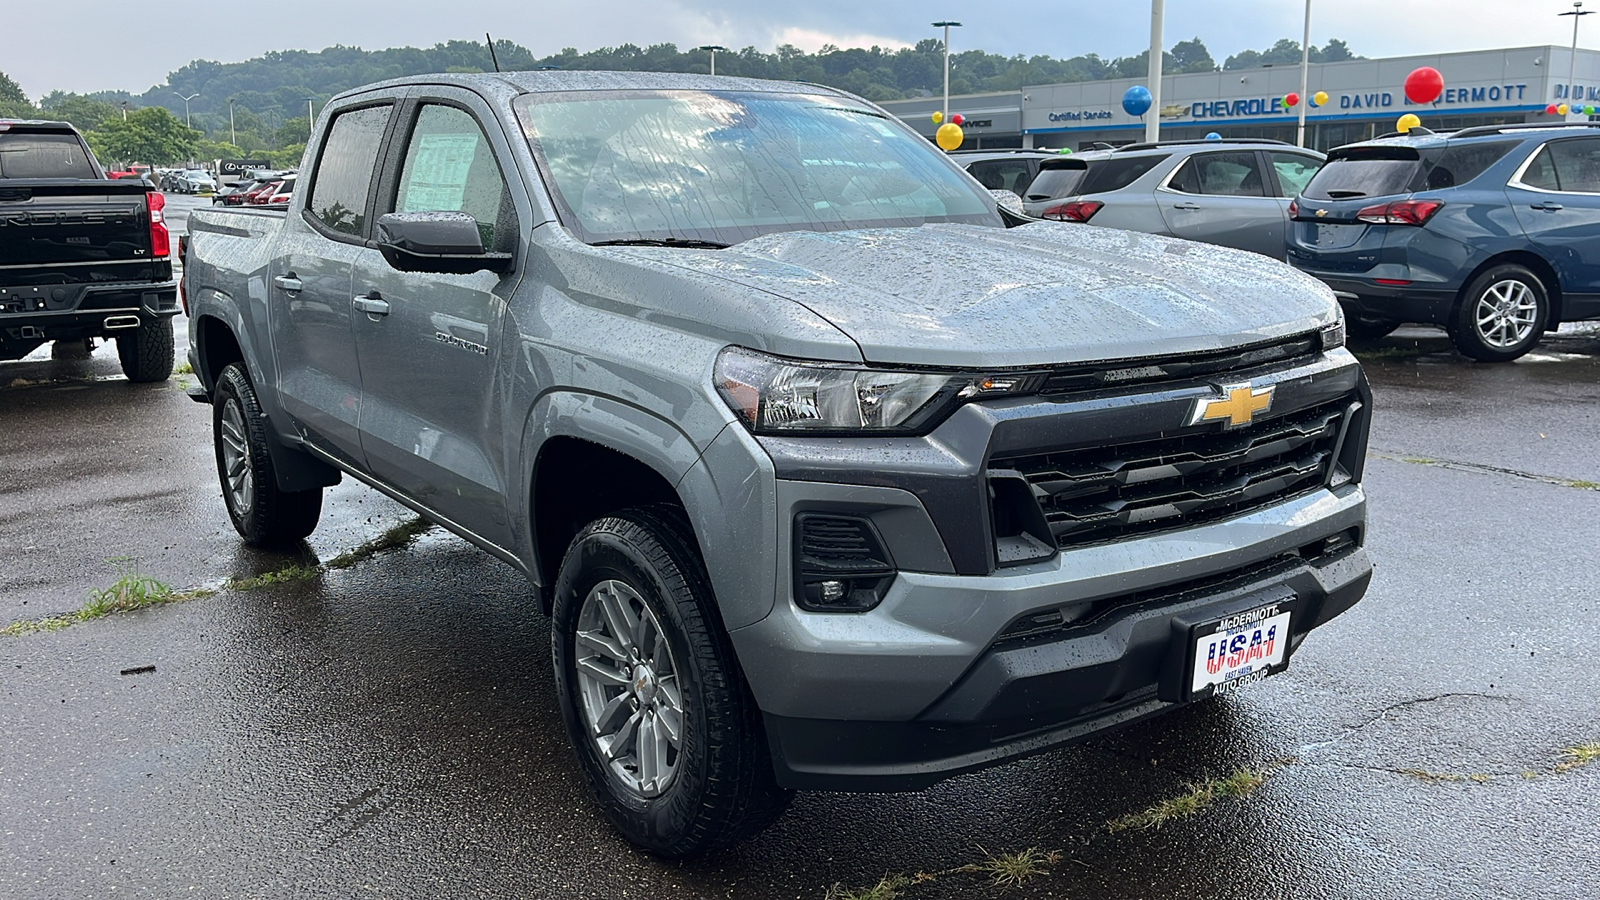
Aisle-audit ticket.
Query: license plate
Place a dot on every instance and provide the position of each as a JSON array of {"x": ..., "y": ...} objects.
[{"x": 1240, "y": 649}]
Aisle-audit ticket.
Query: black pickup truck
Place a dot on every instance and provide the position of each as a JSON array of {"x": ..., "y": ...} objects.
[{"x": 81, "y": 255}]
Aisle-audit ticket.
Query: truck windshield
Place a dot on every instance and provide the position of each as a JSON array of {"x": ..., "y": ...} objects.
[
  {"x": 26, "y": 154},
  {"x": 725, "y": 167}
]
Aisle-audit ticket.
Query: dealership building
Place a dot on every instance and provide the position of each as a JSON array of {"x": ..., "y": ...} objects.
[{"x": 1489, "y": 87}]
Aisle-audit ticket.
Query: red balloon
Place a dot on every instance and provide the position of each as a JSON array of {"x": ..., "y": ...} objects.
[
  {"x": 1424, "y": 85},
  {"x": 1550, "y": 110},
  {"x": 1291, "y": 99},
  {"x": 958, "y": 118}
]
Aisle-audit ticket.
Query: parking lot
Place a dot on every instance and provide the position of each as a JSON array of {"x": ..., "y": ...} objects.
[{"x": 388, "y": 726}]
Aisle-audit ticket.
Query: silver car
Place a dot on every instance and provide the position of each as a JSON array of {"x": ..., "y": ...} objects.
[{"x": 1234, "y": 193}]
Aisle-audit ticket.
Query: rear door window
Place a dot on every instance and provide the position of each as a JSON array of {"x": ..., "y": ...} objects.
[
  {"x": 1294, "y": 171},
  {"x": 1117, "y": 173},
  {"x": 1229, "y": 174},
  {"x": 1379, "y": 172},
  {"x": 1568, "y": 166},
  {"x": 343, "y": 177},
  {"x": 38, "y": 155}
]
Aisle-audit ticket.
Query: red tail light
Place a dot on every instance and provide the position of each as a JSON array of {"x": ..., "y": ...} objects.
[
  {"x": 160, "y": 240},
  {"x": 1400, "y": 212},
  {"x": 1294, "y": 208},
  {"x": 1074, "y": 211},
  {"x": 183, "y": 296}
]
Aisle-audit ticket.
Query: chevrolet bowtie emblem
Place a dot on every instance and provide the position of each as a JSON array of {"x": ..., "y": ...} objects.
[
  {"x": 1321, "y": 213},
  {"x": 1238, "y": 407}
]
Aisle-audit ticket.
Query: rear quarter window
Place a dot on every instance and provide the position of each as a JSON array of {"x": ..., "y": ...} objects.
[
  {"x": 1057, "y": 181},
  {"x": 1115, "y": 174},
  {"x": 1461, "y": 163}
]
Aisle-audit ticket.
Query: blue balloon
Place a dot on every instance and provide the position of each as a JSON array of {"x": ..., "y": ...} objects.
[
  {"x": 1136, "y": 100},
  {"x": 1213, "y": 136}
]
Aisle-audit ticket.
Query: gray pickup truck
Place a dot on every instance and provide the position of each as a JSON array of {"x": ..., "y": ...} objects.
[{"x": 831, "y": 473}]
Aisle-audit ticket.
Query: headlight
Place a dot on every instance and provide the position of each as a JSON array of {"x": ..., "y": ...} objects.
[
  {"x": 1333, "y": 335},
  {"x": 773, "y": 395}
]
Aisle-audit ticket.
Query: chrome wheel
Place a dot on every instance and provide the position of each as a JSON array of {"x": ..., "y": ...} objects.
[
  {"x": 628, "y": 682},
  {"x": 1506, "y": 313},
  {"x": 236, "y": 465}
]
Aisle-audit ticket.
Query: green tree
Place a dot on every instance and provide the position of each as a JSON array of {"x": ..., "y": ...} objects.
[
  {"x": 1191, "y": 56},
  {"x": 14, "y": 103},
  {"x": 295, "y": 131},
  {"x": 86, "y": 113},
  {"x": 152, "y": 135}
]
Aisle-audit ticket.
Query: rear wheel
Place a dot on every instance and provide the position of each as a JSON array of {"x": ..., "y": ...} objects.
[
  {"x": 665, "y": 732},
  {"x": 146, "y": 352},
  {"x": 262, "y": 514},
  {"x": 1502, "y": 315}
]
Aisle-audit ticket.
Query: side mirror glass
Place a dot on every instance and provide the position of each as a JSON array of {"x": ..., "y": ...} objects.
[{"x": 443, "y": 242}]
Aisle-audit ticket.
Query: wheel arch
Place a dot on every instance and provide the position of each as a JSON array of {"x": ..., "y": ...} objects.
[{"x": 1529, "y": 260}]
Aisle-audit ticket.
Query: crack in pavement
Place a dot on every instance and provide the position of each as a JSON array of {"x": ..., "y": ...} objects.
[
  {"x": 1484, "y": 469},
  {"x": 1395, "y": 707}
]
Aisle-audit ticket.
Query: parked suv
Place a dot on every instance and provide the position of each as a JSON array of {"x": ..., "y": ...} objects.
[
  {"x": 1003, "y": 170},
  {"x": 1060, "y": 177},
  {"x": 1492, "y": 232},
  {"x": 1234, "y": 193}
]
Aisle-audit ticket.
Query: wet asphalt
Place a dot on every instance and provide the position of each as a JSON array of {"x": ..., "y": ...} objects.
[{"x": 390, "y": 729}]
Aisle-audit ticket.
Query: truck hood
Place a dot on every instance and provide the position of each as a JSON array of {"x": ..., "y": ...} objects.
[{"x": 970, "y": 296}]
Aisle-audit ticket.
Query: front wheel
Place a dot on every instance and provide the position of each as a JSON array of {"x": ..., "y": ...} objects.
[
  {"x": 264, "y": 515},
  {"x": 665, "y": 732},
  {"x": 1502, "y": 315}
]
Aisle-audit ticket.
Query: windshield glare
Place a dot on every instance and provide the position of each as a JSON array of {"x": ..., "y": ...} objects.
[{"x": 730, "y": 166}]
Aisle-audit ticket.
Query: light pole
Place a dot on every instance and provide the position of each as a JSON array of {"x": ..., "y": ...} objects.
[
  {"x": 1152, "y": 125},
  {"x": 1305, "y": 73},
  {"x": 713, "y": 48},
  {"x": 124, "y": 110},
  {"x": 186, "y": 105},
  {"x": 1577, "y": 12},
  {"x": 233, "y": 133},
  {"x": 311, "y": 117},
  {"x": 946, "y": 26}
]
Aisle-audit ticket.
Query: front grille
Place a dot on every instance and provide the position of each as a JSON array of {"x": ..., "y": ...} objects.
[{"x": 1115, "y": 491}]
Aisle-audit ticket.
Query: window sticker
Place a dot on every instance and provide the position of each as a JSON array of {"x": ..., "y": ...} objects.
[{"x": 439, "y": 167}]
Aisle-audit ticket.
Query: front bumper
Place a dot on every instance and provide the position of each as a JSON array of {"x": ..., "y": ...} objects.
[{"x": 949, "y": 672}]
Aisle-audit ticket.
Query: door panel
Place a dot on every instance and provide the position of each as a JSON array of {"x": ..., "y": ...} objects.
[
  {"x": 1557, "y": 202},
  {"x": 1219, "y": 198},
  {"x": 428, "y": 343}
]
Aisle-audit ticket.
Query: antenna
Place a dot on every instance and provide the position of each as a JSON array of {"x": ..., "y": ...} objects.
[{"x": 492, "y": 58}]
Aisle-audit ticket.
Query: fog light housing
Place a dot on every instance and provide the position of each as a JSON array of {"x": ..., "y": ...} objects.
[{"x": 840, "y": 563}]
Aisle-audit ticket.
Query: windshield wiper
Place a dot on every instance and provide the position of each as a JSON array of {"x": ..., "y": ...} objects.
[{"x": 692, "y": 243}]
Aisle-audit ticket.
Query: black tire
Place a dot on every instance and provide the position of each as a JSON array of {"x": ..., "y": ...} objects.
[
  {"x": 722, "y": 787},
  {"x": 146, "y": 352},
  {"x": 1367, "y": 328},
  {"x": 262, "y": 514},
  {"x": 1502, "y": 315}
]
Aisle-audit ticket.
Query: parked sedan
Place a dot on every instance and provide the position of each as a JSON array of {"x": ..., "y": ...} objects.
[
  {"x": 1234, "y": 193},
  {"x": 193, "y": 181}
]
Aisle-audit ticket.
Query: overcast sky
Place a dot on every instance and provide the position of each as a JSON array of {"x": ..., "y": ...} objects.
[{"x": 82, "y": 46}]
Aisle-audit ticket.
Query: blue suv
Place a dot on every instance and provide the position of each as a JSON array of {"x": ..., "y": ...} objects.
[{"x": 1492, "y": 232}]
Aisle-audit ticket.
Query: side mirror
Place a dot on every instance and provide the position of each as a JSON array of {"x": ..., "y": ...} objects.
[
  {"x": 1007, "y": 200},
  {"x": 443, "y": 242}
]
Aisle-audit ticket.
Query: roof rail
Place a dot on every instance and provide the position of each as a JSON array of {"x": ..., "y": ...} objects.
[
  {"x": 1480, "y": 130},
  {"x": 1189, "y": 143},
  {"x": 1003, "y": 150}
]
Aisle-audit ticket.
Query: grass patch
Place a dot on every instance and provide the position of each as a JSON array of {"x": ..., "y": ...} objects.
[
  {"x": 183, "y": 368},
  {"x": 888, "y": 888},
  {"x": 278, "y": 576},
  {"x": 1010, "y": 870},
  {"x": 1366, "y": 353},
  {"x": 1431, "y": 777},
  {"x": 1585, "y": 485},
  {"x": 399, "y": 536},
  {"x": 1198, "y": 797},
  {"x": 1577, "y": 757},
  {"x": 132, "y": 590}
]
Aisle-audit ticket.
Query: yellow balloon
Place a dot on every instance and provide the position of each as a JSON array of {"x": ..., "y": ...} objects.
[
  {"x": 938, "y": 117},
  {"x": 1407, "y": 122},
  {"x": 948, "y": 136},
  {"x": 1321, "y": 97},
  {"x": 1562, "y": 109}
]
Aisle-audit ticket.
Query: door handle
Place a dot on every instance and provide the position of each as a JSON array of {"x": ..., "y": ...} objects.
[
  {"x": 1547, "y": 207},
  {"x": 1185, "y": 206},
  {"x": 288, "y": 283},
  {"x": 372, "y": 304}
]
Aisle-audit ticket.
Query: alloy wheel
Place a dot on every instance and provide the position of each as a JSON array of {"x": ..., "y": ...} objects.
[
  {"x": 236, "y": 457},
  {"x": 1506, "y": 313},
  {"x": 628, "y": 681}
]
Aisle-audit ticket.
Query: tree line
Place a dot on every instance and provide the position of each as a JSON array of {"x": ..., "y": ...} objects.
[{"x": 258, "y": 107}]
